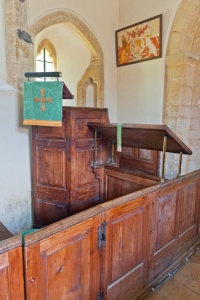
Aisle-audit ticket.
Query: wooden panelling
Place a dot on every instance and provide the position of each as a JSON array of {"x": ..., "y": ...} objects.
[
  {"x": 174, "y": 225},
  {"x": 51, "y": 167},
  {"x": 62, "y": 162},
  {"x": 166, "y": 220},
  {"x": 47, "y": 213},
  {"x": 84, "y": 158},
  {"x": 82, "y": 132},
  {"x": 11, "y": 270},
  {"x": 189, "y": 205},
  {"x": 124, "y": 255},
  {"x": 86, "y": 193},
  {"x": 139, "y": 159},
  {"x": 116, "y": 187},
  {"x": 50, "y": 205},
  {"x": 120, "y": 248},
  {"x": 65, "y": 265},
  {"x": 118, "y": 182},
  {"x": 50, "y": 132}
]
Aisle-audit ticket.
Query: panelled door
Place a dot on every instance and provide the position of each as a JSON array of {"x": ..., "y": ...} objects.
[
  {"x": 125, "y": 250},
  {"x": 65, "y": 265}
]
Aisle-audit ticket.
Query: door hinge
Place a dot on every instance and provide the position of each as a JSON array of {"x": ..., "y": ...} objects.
[
  {"x": 100, "y": 296},
  {"x": 102, "y": 235}
]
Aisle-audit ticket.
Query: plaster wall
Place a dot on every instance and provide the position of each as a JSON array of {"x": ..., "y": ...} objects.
[
  {"x": 140, "y": 86},
  {"x": 15, "y": 180}
]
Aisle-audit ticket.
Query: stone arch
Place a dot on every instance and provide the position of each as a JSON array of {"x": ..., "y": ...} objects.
[
  {"x": 181, "y": 109},
  {"x": 96, "y": 67},
  {"x": 91, "y": 82}
]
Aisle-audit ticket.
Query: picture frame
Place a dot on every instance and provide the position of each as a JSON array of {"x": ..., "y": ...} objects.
[{"x": 139, "y": 42}]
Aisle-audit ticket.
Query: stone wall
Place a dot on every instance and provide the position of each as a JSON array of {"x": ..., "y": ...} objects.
[
  {"x": 181, "y": 110},
  {"x": 19, "y": 53}
]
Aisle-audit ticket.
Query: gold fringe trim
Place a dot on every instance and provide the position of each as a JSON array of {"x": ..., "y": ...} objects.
[{"x": 43, "y": 123}]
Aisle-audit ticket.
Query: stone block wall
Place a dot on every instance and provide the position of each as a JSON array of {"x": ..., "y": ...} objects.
[{"x": 181, "y": 109}]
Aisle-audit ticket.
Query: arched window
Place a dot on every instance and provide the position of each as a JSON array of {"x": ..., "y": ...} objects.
[{"x": 46, "y": 60}]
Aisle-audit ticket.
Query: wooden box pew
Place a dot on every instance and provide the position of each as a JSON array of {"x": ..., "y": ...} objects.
[
  {"x": 118, "y": 249},
  {"x": 117, "y": 229}
]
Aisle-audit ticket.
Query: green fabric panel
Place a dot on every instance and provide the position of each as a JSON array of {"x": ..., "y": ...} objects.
[
  {"x": 119, "y": 137},
  {"x": 51, "y": 109}
]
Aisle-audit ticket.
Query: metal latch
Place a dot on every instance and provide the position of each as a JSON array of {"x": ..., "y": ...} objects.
[
  {"x": 102, "y": 235},
  {"x": 100, "y": 296}
]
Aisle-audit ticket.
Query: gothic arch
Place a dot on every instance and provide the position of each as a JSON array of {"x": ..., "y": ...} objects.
[
  {"x": 50, "y": 48},
  {"x": 96, "y": 67},
  {"x": 181, "y": 109}
]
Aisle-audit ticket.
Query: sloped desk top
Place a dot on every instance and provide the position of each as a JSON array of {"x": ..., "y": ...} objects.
[{"x": 143, "y": 136}]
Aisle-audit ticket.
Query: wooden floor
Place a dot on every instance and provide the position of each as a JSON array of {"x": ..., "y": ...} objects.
[{"x": 184, "y": 284}]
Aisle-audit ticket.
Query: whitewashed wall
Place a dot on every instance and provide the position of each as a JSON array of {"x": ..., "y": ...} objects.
[
  {"x": 140, "y": 87},
  {"x": 15, "y": 185},
  {"x": 15, "y": 179}
]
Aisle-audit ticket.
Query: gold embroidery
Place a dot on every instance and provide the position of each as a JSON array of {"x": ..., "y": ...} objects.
[{"x": 42, "y": 100}]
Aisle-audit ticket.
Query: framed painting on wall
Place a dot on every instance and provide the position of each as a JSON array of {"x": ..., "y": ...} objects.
[{"x": 139, "y": 42}]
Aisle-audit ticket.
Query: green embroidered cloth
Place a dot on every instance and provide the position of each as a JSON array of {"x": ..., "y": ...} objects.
[
  {"x": 119, "y": 137},
  {"x": 43, "y": 103}
]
